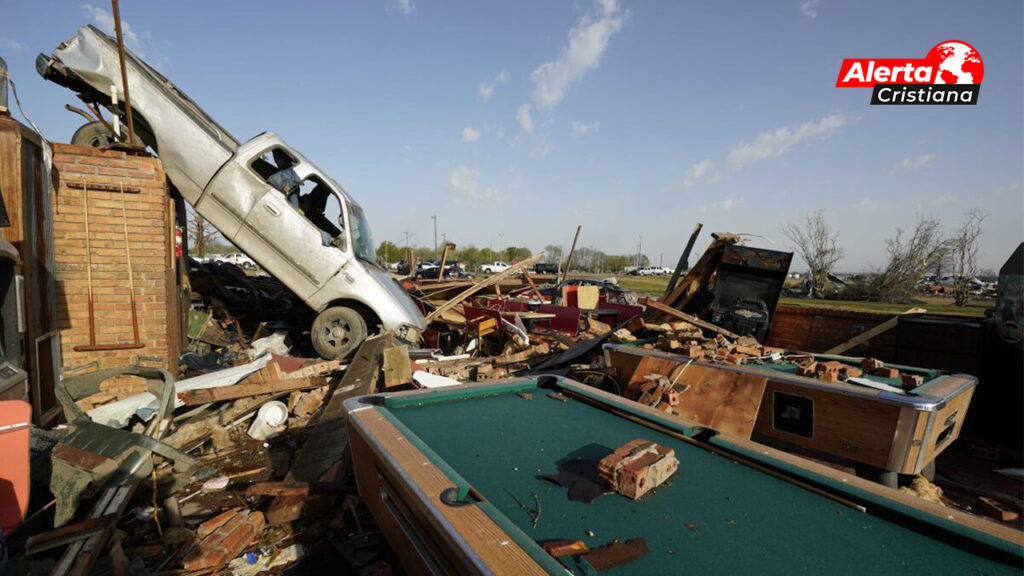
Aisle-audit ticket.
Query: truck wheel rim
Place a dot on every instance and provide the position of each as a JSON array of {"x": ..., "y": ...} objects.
[{"x": 336, "y": 334}]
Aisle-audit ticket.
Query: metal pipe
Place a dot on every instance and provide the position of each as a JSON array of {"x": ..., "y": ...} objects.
[{"x": 124, "y": 73}]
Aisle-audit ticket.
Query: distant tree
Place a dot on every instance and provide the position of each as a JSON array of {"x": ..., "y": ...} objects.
[
  {"x": 553, "y": 253},
  {"x": 470, "y": 256},
  {"x": 487, "y": 255},
  {"x": 424, "y": 254},
  {"x": 963, "y": 255},
  {"x": 389, "y": 252},
  {"x": 218, "y": 245},
  {"x": 200, "y": 234},
  {"x": 815, "y": 242},
  {"x": 911, "y": 253}
]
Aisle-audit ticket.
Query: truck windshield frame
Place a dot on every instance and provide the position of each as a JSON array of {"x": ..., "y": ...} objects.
[{"x": 362, "y": 237}]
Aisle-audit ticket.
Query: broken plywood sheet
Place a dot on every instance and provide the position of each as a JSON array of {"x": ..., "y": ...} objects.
[
  {"x": 721, "y": 399},
  {"x": 397, "y": 367}
]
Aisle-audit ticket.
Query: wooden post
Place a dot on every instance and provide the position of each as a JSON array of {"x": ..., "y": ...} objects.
[
  {"x": 864, "y": 337},
  {"x": 684, "y": 261},
  {"x": 568, "y": 261}
]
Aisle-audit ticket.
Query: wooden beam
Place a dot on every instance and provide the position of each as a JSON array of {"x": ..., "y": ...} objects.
[
  {"x": 668, "y": 310},
  {"x": 684, "y": 261},
  {"x": 865, "y": 337},
  {"x": 297, "y": 488},
  {"x": 533, "y": 287},
  {"x": 208, "y": 395},
  {"x": 568, "y": 261},
  {"x": 67, "y": 534},
  {"x": 490, "y": 281}
]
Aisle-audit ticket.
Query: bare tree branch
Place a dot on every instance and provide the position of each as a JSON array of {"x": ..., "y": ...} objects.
[
  {"x": 964, "y": 255},
  {"x": 815, "y": 242}
]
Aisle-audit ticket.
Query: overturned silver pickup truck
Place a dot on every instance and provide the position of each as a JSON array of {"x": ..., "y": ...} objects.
[{"x": 265, "y": 197}]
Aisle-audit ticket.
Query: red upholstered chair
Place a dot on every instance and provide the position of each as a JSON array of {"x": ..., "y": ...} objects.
[
  {"x": 566, "y": 320},
  {"x": 626, "y": 311}
]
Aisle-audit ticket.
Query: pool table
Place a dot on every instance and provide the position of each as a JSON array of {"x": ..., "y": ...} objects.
[
  {"x": 452, "y": 477},
  {"x": 885, "y": 431}
]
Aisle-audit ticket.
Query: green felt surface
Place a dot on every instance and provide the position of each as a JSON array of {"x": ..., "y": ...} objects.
[{"x": 714, "y": 516}]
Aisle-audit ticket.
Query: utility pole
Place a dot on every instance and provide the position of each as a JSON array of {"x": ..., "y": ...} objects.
[
  {"x": 435, "y": 236},
  {"x": 406, "y": 239},
  {"x": 639, "y": 251}
]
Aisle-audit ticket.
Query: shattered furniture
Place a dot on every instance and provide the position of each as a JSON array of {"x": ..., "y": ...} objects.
[
  {"x": 111, "y": 205},
  {"x": 867, "y": 419},
  {"x": 262, "y": 195},
  {"x": 453, "y": 478},
  {"x": 28, "y": 196}
]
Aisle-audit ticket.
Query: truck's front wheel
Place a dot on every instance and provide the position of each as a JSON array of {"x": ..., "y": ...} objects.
[{"x": 337, "y": 332}]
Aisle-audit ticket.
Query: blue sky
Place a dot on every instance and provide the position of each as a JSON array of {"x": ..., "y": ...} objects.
[{"x": 513, "y": 122}]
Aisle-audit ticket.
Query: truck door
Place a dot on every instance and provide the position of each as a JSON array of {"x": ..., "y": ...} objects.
[{"x": 296, "y": 227}]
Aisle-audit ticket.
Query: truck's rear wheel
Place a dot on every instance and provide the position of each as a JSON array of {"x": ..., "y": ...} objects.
[
  {"x": 337, "y": 332},
  {"x": 96, "y": 135}
]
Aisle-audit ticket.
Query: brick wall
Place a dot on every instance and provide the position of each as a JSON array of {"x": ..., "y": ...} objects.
[
  {"x": 818, "y": 329},
  {"x": 149, "y": 239}
]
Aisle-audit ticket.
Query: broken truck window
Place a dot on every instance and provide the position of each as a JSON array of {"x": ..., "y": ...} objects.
[
  {"x": 320, "y": 206},
  {"x": 276, "y": 167}
]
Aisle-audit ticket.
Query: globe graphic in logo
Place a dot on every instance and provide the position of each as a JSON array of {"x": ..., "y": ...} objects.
[{"x": 958, "y": 63}]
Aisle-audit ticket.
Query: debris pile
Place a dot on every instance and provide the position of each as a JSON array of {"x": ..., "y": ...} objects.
[{"x": 206, "y": 475}]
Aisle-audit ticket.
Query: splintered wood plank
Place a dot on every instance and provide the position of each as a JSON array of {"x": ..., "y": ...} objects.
[
  {"x": 207, "y": 395},
  {"x": 495, "y": 547},
  {"x": 648, "y": 365},
  {"x": 721, "y": 399}
]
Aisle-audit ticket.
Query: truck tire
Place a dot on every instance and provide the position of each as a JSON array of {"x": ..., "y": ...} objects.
[
  {"x": 96, "y": 135},
  {"x": 337, "y": 332}
]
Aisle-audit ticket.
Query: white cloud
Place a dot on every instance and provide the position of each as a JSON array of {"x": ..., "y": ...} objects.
[
  {"x": 470, "y": 135},
  {"x": 11, "y": 44},
  {"x": 809, "y": 8},
  {"x": 464, "y": 185},
  {"x": 105, "y": 21},
  {"x": 781, "y": 140},
  {"x": 487, "y": 88},
  {"x": 403, "y": 7},
  {"x": 699, "y": 171},
  {"x": 733, "y": 201},
  {"x": 499, "y": 132},
  {"x": 916, "y": 162},
  {"x": 524, "y": 118},
  {"x": 587, "y": 42},
  {"x": 582, "y": 129}
]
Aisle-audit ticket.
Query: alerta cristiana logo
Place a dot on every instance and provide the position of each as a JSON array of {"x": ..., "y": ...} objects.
[{"x": 951, "y": 73}]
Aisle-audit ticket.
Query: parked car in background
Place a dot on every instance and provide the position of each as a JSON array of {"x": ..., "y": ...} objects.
[
  {"x": 451, "y": 270},
  {"x": 264, "y": 196},
  {"x": 643, "y": 271},
  {"x": 545, "y": 268},
  {"x": 236, "y": 258},
  {"x": 494, "y": 267}
]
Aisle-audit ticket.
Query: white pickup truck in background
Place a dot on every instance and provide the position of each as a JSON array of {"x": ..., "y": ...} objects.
[{"x": 494, "y": 267}]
